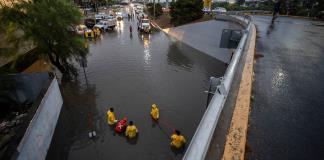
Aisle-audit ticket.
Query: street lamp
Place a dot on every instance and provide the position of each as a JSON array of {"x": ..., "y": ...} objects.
[{"x": 154, "y": 9}]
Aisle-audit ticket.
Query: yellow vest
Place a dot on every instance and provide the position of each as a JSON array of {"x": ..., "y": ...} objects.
[
  {"x": 155, "y": 113},
  {"x": 111, "y": 118},
  {"x": 177, "y": 140},
  {"x": 131, "y": 131}
]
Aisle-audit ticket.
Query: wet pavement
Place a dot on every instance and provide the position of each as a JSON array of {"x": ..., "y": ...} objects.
[
  {"x": 130, "y": 72},
  {"x": 287, "y": 114}
]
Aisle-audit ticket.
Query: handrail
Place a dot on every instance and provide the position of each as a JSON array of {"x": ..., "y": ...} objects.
[{"x": 199, "y": 144}]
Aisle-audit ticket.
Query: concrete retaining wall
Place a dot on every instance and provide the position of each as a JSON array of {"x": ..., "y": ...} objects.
[
  {"x": 38, "y": 136},
  {"x": 200, "y": 142},
  {"x": 243, "y": 21}
]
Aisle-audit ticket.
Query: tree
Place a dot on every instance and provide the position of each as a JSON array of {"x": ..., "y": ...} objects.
[
  {"x": 184, "y": 11},
  {"x": 240, "y": 2},
  {"x": 158, "y": 9},
  {"x": 48, "y": 24}
]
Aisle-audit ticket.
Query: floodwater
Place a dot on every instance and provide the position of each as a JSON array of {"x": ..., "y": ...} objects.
[{"x": 130, "y": 72}]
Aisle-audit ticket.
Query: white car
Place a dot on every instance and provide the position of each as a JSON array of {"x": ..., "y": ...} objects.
[
  {"x": 119, "y": 16},
  {"x": 100, "y": 16},
  {"x": 112, "y": 22},
  {"x": 206, "y": 10},
  {"x": 80, "y": 29},
  {"x": 139, "y": 8},
  {"x": 103, "y": 25},
  {"x": 219, "y": 10}
]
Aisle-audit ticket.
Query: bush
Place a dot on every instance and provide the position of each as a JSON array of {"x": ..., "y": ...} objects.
[
  {"x": 158, "y": 9},
  {"x": 184, "y": 11},
  {"x": 267, "y": 6}
]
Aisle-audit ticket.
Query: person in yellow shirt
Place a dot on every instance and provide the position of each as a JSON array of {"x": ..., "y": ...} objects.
[
  {"x": 155, "y": 112},
  {"x": 111, "y": 116},
  {"x": 177, "y": 140},
  {"x": 131, "y": 130}
]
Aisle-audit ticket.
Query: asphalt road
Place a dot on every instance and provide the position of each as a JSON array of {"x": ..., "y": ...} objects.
[
  {"x": 287, "y": 114},
  {"x": 130, "y": 72}
]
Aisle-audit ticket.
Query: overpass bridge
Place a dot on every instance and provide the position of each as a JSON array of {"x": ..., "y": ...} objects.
[{"x": 286, "y": 116}]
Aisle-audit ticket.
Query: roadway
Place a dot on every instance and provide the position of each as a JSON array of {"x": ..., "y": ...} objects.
[
  {"x": 287, "y": 112},
  {"x": 130, "y": 72}
]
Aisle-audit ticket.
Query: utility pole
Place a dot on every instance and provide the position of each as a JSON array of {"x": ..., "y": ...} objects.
[{"x": 154, "y": 9}]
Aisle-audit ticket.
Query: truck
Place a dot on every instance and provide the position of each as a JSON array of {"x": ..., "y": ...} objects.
[
  {"x": 108, "y": 22},
  {"x": 144, "y": 25},
  {"x": 111, "y": 20}
]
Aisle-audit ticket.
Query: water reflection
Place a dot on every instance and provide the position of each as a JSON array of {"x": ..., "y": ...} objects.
[
  {"x": 176, "y": 57},
  {"x": 279, "y": 79},
  {"x": 120, "y": 26},
  {"x": 133, "y": 141},
  {"x": 78, "y": 117},
  {"x": 146, "y": 43},
  {"x": 270, "y": 28}
]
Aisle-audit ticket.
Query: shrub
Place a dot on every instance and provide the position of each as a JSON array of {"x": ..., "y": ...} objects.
[
  {"x": 184, "y": 11},
  {"x": 158, "y": 9}
]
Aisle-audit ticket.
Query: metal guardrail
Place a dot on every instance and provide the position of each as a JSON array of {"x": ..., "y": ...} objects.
[
  {"x": 200, "y": 142},
  {"x": 248, "y": 11}
]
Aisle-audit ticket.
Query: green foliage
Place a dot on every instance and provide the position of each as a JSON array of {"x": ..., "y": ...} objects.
[
  {"x": 291, "y": 7},
  {"x": 158, "y": 9},
  {"x": 267, "y": 6},
  {"x": 110, "y": 2},
  {"x": 228, "y": 6},
  {"x": 304, "y": 8},
  {"x": 184, "y": 11},
  {"x": 318, "y": 8},
  {"x": 48, "y": 24},
  {"x": 240, "y": 2}
]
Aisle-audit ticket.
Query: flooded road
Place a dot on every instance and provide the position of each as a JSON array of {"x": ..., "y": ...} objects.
[{"x": 130, "y": 72}]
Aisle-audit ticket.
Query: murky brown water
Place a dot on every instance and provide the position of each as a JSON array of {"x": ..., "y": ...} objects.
[{"x": 129, "y": 73}]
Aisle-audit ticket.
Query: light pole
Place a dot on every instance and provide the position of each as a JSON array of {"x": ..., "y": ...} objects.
[{"x": 154, "y": 9}]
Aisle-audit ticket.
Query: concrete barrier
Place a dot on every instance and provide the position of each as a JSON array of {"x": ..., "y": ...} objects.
[
  {"x": 241, "y": 20},
  {"x": 38, "y": 136},
  {"x": 249, "y": 12},
  {"x": 236, "y": 137},
  {"x": 199, "y": 144}
]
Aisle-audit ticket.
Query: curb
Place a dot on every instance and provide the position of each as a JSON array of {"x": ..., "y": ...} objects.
[
  {"x": 236, "y": 137},
  {"x": 318, "y": 24},
  {"x": 156, "y": 25},
  {"x": 166, "y": 30}
]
